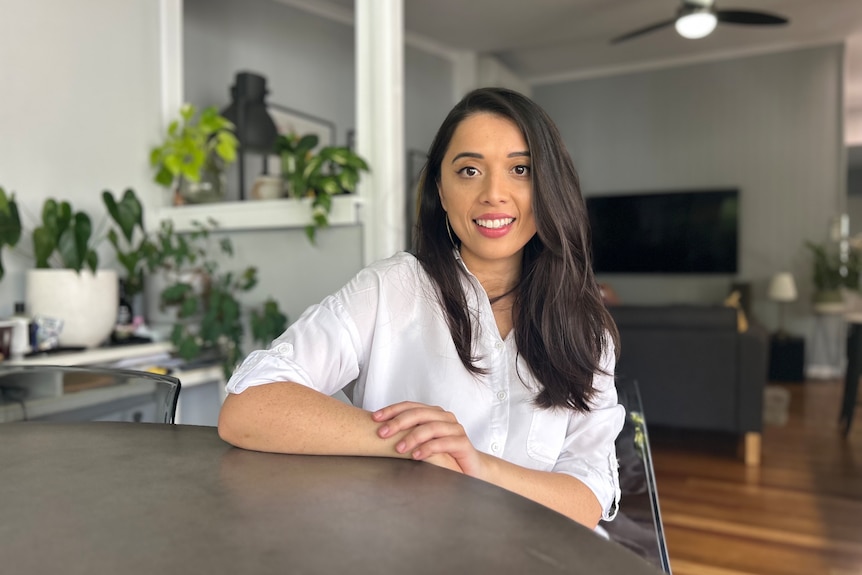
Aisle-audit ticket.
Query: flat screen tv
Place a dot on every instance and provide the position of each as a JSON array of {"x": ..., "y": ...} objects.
[{"x": 673, "y": 232}]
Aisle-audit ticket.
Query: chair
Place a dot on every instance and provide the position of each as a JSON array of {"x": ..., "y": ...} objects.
[
  {"x": 852, "y": 373},
  {"x": 638, "y": 524},
  {"x": 55, "y": 393}
]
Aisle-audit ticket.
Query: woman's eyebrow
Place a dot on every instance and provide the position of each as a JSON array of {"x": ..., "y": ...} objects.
[
  {"x": 467, "y": 155},
  {"x": 480, "y": 156}
]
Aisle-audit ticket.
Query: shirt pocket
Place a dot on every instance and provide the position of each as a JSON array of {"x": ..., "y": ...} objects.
[{"x": 547, "y": 435}]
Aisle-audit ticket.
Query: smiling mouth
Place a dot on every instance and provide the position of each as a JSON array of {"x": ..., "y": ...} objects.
[{"x": 494, "y": 224}]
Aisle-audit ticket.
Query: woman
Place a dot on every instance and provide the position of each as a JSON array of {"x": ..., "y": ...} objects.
[{"x": 489, "y": 352}]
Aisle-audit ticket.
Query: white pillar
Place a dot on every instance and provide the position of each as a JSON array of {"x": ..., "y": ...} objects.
[
  {"x": 171, "y": 56},
  {"x": 380, "y": 124}
]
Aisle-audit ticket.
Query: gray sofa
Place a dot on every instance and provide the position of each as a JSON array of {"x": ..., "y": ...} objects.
[{"x": 694, "y": 369}]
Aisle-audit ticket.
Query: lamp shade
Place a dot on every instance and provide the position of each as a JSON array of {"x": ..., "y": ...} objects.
[
  {"x": 255, "y": 128},
  {"x": 782, "y": 288}
]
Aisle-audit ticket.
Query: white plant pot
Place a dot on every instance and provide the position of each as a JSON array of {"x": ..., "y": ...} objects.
[{"x": 86, "y": 303}]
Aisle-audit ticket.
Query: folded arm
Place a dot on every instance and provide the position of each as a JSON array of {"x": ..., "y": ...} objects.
[
  {"x": 291, "y": 418},
  {"x": 433, "y": 432}
]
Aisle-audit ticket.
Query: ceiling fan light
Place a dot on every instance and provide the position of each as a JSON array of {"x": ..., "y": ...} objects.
[{"x": 696, "y": 25}]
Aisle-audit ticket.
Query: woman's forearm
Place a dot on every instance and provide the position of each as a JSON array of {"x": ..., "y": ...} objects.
[
  {"x": 291, "y": 418},
  {"x": 562, "y": 493}
]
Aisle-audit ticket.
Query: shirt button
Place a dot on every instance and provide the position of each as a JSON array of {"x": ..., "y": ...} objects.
[
  {"x": 499, "y": 345},
  {"x": 495, "y": 447},
  {"x": 501, "y": 395}
]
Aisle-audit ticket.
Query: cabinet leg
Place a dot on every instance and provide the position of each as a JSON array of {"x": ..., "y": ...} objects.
[{"x": 751, "y": 448}]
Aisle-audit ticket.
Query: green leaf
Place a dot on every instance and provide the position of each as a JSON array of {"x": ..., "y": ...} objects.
[
  {"x": 92, "y": 261},
  {"x": 83, "y": 229},
  {"x": 68, "y": 248},
  {"x": 176, "y": 293},
  {"x": 306, "y": 144},
  {"x": 188, "y": 308},
  {"x": 10, "y": 221},
  {"x": 348, "y": 179},
  {"x": 164, "y": 177},
  {"x": 127, "y": 214},
  {"x": 43, "y": 246},
  {"x": 187, "y": 347},
  {"x": 329, "y": 185}
]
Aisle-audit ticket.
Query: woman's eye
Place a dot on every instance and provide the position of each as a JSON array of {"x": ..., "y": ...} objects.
[
  {"x": 522, "y": 170},
  {"x": 468, "y": 171}
]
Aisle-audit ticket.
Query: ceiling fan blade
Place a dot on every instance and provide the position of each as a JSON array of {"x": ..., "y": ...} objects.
[
  {"x": 641, "y": 31},
  {"x": 748, "y": 17}
]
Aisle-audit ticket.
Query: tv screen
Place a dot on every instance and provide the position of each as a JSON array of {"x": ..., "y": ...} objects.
[{"x": 673, "y": 232}]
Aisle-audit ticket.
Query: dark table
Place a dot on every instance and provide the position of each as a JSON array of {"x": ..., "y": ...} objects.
[{"x": 107, "y": 498}]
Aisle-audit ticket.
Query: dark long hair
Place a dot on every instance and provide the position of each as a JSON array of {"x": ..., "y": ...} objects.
[{"x": 561, "y": 325}]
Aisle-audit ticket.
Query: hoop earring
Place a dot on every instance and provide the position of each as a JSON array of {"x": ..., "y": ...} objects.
[{"x": 449, "y": 231}]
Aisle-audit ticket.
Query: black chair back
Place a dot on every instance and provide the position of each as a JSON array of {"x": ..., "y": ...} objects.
[
  {"x": 60, "y": 393},
  {"x": 638, "y": 525}
]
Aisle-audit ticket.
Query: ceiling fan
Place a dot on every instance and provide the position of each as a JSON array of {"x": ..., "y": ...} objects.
[{"x": 698, "y": 18}]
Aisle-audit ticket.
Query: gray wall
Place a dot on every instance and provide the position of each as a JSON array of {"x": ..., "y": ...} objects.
[
  {"x": 80, "y": 109},
  {"x": 769, "y": 125}
]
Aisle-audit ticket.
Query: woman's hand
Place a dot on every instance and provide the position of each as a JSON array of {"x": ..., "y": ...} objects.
[{"x": 433, "y": 434}]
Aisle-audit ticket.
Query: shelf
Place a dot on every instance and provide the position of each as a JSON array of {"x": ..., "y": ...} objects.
[
  {"x": 96, "y": 355},
  {"x": 259, "y": 214}
]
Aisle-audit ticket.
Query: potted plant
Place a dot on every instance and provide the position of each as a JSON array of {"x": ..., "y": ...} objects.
[
  {"x": 66, "y": 283},
  {"x": 204, "y": 299},
  {"x": 333, "y": 170},
  {"x": 209, "y": 316},
  {"x": 133, "y": 247},
  {"x": 831, "y": 275},
  {"x": 10, "y": 224},
  {"x": 194, "y": 154}
]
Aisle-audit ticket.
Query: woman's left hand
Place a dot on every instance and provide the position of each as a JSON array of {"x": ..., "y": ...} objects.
[{"x": 432, "y": 431}]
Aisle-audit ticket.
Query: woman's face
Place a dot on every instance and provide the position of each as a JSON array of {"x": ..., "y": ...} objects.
[{"x": 486, "y": 189}]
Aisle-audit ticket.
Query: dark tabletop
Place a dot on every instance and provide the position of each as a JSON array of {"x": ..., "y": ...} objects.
[{"x": 110, "y": 498}]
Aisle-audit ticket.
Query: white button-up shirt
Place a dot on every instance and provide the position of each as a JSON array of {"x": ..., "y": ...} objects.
[{"x": 386, "y": 331}]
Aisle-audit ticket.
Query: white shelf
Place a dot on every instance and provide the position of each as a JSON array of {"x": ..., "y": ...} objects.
[
  {"x": 259, "y": 214},
  {"x": 96, "y": 355}
]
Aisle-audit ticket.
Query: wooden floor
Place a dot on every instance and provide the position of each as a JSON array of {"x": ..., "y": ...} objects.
[{"x": 800, "y": 512}]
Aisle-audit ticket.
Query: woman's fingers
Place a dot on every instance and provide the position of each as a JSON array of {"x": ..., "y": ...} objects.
[
  {"x": 433, "y": 435},
  {"x": 402, "y": 416},
  {"x": 391, "y": 411},
  {"x": 428, "y": 431}
]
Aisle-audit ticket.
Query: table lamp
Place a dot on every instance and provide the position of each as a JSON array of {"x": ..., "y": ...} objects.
[
  {"x": 782, "y": 289},
  {"x": 255, "y": 128}
]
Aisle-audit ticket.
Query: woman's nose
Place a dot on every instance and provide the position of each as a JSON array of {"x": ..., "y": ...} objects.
[{"x": 494, "y": 190}]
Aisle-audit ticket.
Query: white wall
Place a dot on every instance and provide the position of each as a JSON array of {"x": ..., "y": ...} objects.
[
  {"x": 80, "y": 109},
  {"x": 770, "y": 125}
]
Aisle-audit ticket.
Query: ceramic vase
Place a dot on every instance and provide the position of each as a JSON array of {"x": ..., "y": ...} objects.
[{"x": 86, "y": 302}]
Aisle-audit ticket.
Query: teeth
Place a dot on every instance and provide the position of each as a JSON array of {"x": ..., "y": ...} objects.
[{"x": 494, "y": 224}]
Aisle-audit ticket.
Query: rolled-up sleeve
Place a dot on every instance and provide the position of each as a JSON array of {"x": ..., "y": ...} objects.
[
  {"x": 589, "y": 452},
  {"x": 320, "y": 351}
]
